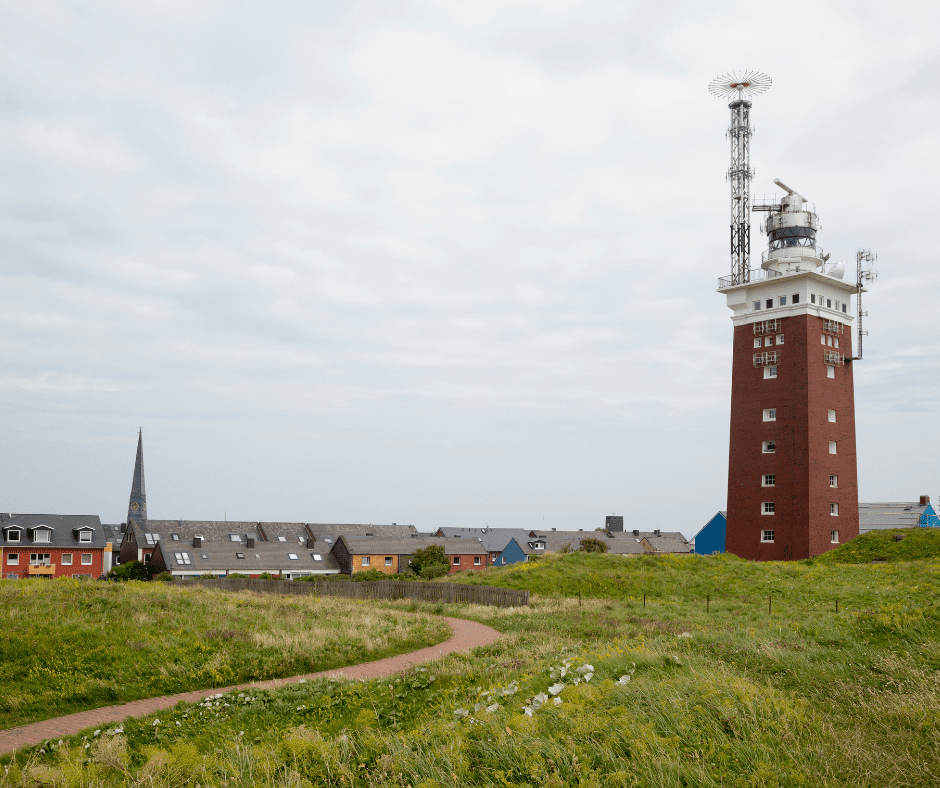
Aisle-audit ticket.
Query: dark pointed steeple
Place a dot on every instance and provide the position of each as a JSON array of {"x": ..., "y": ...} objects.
[{"x": 137, "y": 507}]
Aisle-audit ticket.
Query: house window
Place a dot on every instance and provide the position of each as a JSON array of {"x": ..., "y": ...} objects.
[
  {"x": 834, "y": 537},
  {"x": 770, "y": 414},
  {"x": 833, "y": 480},
  {"x": 830, "y": 372},
  {"x": 832, "y": 447},
  {"x": 822, "y": 339},
  {"x": 766, "y": 536},
  {"x": 86, "y": 558},
  {"x": 770, "y": 480},
  {"x": 829, "y": 341},
  {"x": 41, "y": 536},
  {"x": 13, "y": 558},
  {"x": 147, "y": 558},
  {"x": 66, "y": 559},
  {"x": 388, "y": 560},
  {"x": 832, "y": 415},
  {"x": 204, "y": 556},
  {"x": 151, "y": 539},
  {"x": 476, "y": 560},
  {"x": 770, "y": 372},
  {"x": 828, "y": 303},
  {"x": 84, "y": 536},
  {"x": 779, "y": 339},
  {"x": 365, "y": 560},
  {"x": 783, "y": 300},
  {"x": 769, "y": 342},
  {"x": 301, "y": 539},
  {"x": 39, "y": 559},
  {"x": 770, "y": 303},
  {"x": 239, "y": 555},
  {"x": 834, "y": 509},
  {"x": 835, "y": 342},
  {"x": 175, "y": 537},
  {"x": 757, "y": 342},
  {"x": 293, "y": 556},
  {"x": 769, "y": 447},
  {"x": 456, "y": 560},
  {"x": 13, "y": 535},
  {"x": 316, "y": 556},
  {"x": 757, "y": 306},
  {"x": 768, "y": 507},
  {"x": 234, "y": 537},
  {"x": 796, "y": 298},
  {"x": 182, "y": 558}
]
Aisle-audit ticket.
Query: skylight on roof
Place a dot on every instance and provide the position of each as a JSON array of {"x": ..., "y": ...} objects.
[
  {"x": 204, "y": 556},
  {"x": 282, "y": 538},
  {"x": 175, "y": 537},
  {"x": 239, "y": 555},
  {"x": 234, "y": 537},
  {"x": 316, "y": 556},
  {"x": 292, "y": 556}
]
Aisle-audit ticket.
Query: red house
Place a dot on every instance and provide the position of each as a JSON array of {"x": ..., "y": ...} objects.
[{"x": 53, "y": 545}]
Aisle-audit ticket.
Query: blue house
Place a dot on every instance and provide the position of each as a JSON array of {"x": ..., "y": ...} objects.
[
  {"x": 928, "y": 518},
  {"x": 511, "y": 554},
  {"x": 711, "y": 539}
]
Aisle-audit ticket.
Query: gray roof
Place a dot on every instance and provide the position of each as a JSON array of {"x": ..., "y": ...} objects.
[
  {"x": 209, "y": 530},
  {"x": 494, "y": 539},
  {"x": 668, "y": 544},
  {"x": 263, "y": 557},
  {"x": 113, "y": 533},
  {"x": 407, "y": 545},
  {"x": 63, "y": 530},
  {"x": 332, "y": 531},
  {"x": 881, "y": 516}
]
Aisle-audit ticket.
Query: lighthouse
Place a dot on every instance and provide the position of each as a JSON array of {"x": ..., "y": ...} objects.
[{"x": 792, "y": 478}]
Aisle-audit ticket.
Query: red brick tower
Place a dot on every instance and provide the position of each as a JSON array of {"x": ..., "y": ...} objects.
[{"x": 792, "y": 480}]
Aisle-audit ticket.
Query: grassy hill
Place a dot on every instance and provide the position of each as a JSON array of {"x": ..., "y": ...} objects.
[
  {"x": 678, "y": 695},
  {"x": 915, "y": 544}
]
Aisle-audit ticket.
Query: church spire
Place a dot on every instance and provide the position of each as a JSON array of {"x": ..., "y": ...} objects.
[{"x": 137, "y": 507}]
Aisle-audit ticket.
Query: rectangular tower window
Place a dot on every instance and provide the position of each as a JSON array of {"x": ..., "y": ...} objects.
[
  {"x": 837, "y": 305},
  {"x": 822, "y": 339},
  {"x": 834, "y": 509},
  {"x": 770, "y": 414},
  {"x": 812, "y": 298},
  {"x": 829, "y": 341},
  {"x": 830, "y": 372},
  {"x": 769, "y": 447},
  {"x": 757, "y": 342},
  {"x": 835, "y": 342},
  {"x": 769, "y": 341},
  {"x": 767, "y": 507},
  {"x": 779, "y": 339},
  {"x": 844, "y": 305},
  {"x": 796, "y": 298},
  {"x": 832, "y": 415},
  {"x": 783, "y": 300},
  {"x": 757, "y": 306},
  {"x": 770, "y": 303},
  {"x": 834, "y": 537},
  {"x": 832, "y": 447},
  {"x": 770, "y": 480},
  {"x": 770, "y": 372},
  {"x": 833, "y": 480},
  {"x": 828, "y": 303},
  {"x": 766, "y": 536}
]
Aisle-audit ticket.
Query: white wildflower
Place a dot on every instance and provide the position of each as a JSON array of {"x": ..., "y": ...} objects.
[
  {"x": 477, "y": 707},
  {"x": 586, "y": 669},
  {"x": 178, "y": 722},
  {"x": 97, "y": 733},
  {"x": 686, "y": 635},
  {"x": 155, "y": 722},
  {"x": 588, "y": 676},
  {"x": 461, "y": 712},
  {"x": 556, "y": 688},
  {"x": 539, "y": 699},
  {"x": 527, "y": 711},
  {"x": 494, "y": 707},
  {"x": 302, "y": 681},
  {"x": 556, "y": 701},
  {"x": 512, "y": 689},
  {"x": 241, "y": 733},
  {"x": 624, "y": 680},
  {"x": 576, "y": 682}
]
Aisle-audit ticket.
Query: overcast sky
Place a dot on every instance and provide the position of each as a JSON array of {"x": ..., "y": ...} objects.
[{"x": 441, "y": 263}]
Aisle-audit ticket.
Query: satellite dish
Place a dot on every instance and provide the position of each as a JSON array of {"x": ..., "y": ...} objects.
[{"x": 838, "y": 270}]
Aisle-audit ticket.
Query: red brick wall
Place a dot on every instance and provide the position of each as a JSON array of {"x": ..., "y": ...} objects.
[
  {"x": 802, "y": 395},
  {"x": 466, "y": 562},
  {"x": 55, "y": 557}
]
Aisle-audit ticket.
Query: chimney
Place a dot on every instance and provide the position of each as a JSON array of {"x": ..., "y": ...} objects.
[
  {"x": 635, "y": 532},
  {"x": 656, "y": 532},
  {"x": 249, "y": 541},
  {"x": 197, "y": 541},
  {"x": 554, "y": 529},
  {"x": 311, "y": 543},
  {"x": 924, "y": 500}
]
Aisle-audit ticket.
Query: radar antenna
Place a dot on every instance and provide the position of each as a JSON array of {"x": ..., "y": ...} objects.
[
  {"x": 867, "y": 274},
  {"x": 739, "y": 87}
]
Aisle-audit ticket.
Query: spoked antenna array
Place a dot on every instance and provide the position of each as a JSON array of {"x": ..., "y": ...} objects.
[
  {"x": 865, "y": 261},
  {"x": 739, "y": 87}
]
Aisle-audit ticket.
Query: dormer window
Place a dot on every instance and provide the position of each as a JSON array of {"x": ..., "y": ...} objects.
[
  {"x": 13, "y": 535},
  {"x": 151, "y": 539},
  {"x": 84, "y": 536},
  {"x": 41, "y": 535}
]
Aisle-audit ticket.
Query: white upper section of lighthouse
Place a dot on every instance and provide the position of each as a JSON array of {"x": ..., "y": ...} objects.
[{"x": 791, "y": 230}]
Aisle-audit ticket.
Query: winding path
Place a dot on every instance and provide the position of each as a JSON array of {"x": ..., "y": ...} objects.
[{"x": 467, "y": 635}]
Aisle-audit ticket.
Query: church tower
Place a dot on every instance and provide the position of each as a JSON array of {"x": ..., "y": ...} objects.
[
  {"x": 792, "y": 479},
  {"x": 137, "y": 506}
]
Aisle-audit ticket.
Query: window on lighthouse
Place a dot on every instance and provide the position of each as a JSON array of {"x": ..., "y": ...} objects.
[
  {"x": 770, "y": 303},
  {"x": 768, "y": 507},
  {"x": 834, "y": 509},
  {"x": 766, "y": 536},
  {"x": 770, "y": 480},
  {"x": 757, "y": 342},
  {"x": 769, "y": 447},
  {"x": 757, "y": 306},
  {"x": 832, "y": 415},
  {"x": 783, "y": 300},
  {"x": 832, "y": 447},
  {"x": 779, "y": 339},
  {"x": 830, "y": 372},
  {"x": 770, "y": 414},
  {"x": 770, "y": 372},
  {"x": 833, "y": 480}
]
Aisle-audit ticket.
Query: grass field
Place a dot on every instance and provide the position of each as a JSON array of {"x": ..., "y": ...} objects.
[
  {"x": 69, "y": 645},
  {"x": 675, "y": 695}
]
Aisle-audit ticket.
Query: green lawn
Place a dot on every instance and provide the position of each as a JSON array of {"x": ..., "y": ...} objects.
[
  {"x": 69, "y": 645},
  {"x": 678, "y": 695}
]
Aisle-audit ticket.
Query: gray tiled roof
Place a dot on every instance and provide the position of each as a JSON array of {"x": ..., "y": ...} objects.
[
  {"x": 334, "y": 530},
  {"x": 263, "y": 557},
  {"x": 668, "y": 544},
  {"x": 60, "y": 527},
  {"x": 209, "y": 530},
  {"x": 407, "y": 545},
  {"x": 494, "y": 539},
  {"x": 881, "y": 516}
]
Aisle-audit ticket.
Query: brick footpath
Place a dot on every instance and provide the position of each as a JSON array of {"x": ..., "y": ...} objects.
[{"x": 467, "y": 635}]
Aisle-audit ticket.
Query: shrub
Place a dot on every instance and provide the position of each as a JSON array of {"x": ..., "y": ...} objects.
[
  {"x": 269, "y": 576},
  {"x": 430, "y": 562},
  {"x": 133, "y": 570},
  {"x": 237, "y": 574},
  {"x": 592, "y": 545},
  {"x": 370, "y": 575},
  {"x": 164, "y": 577}
]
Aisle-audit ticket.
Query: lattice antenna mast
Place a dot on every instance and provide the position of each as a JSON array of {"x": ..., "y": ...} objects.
[
  {"x": 864, "y": 266},
  {"x": 740, "y": 87}
]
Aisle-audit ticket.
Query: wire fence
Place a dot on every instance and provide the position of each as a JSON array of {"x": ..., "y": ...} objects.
[{"x": 373, "y": 589}]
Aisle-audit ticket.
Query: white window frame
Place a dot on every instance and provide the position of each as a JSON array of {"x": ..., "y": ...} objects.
[
  {"x": 455, "y": 561},
  {"x": 834, "y": 537},
  {"x": 779, "y": 339},
  {"x": 832, "y": 415},
  {"x": 13, "y": 559},
  {"x": 833, "y": 447},
  {"x": 86, "y": 559},
  {"x": 768, "y": 341},
  {"x": 770, "y": 372},
  {"x": 765, "y": 477},
  {"x": 833, "y": 480},
  {"x": 293, "y": 556},
  {"x": 757, "y": 306},
  {"x": 183, "y": 558},
  {"x": 835, "y": 342},
  {"x": 757, "y": 341},
  {"x": 235, "y": 538},
  {"x": 830, "y": 372},
  {"x": 782, "y": 301},
  {"x": 41, "y": 561},
  {"x": 11, "y": 537},
  {"x": 42, "y": 536},
  {"x": 767, "y": 536},
  {"x": 769, "y": 447},
  {"x": 316, "y": 556},
  {"x": 85, "y": 536},
  {"x": 822, "y": 339},
  {"x": 66, "y": 559},
  {"x": 388, "y": 560},
  {"x": 834, "y": 510},
  {"x": 476, "y": 560},
  {"x": 770, "y": 414},
  {"x": 282, "y": 538},
  {"x": 366, "y": 561},
  {"x": 769, "y": 508}
]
